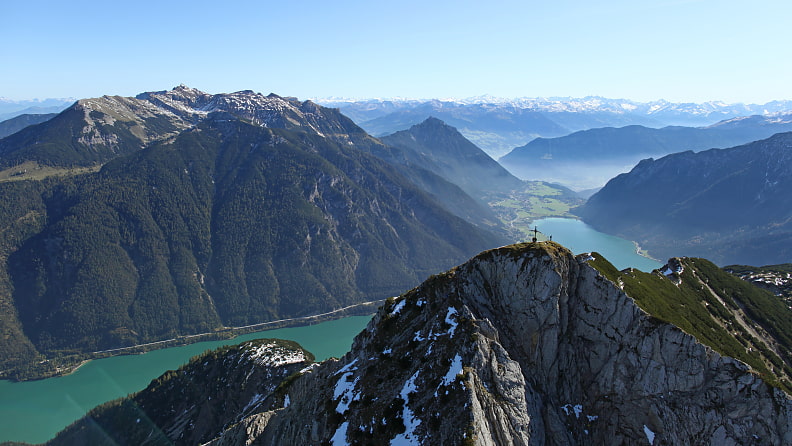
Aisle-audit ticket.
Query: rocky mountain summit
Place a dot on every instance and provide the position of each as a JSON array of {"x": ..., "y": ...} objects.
[
  {"x": 524, "y": 344},
  {"x": 96, "y": 130}
]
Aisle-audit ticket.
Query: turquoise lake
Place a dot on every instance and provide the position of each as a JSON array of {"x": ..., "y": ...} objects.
[
  {"x": 580, "y": 237},
  {"x": 34, "y": 411}
]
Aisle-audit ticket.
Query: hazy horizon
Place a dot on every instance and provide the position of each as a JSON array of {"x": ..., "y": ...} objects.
[{"x": 481, "y": 98}]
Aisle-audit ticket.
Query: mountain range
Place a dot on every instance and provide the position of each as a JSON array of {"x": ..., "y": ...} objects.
[
  {"x": 459, "y": 160},
  {"x": 12, "y": 108},
  {"x": 524, "y": 344},
  {"x": 731, "y": 206},
  {"x": 17, "y": 123},
  {"x": 139, "y": 219},
  {"x": 434, "y": 147},
  {"x": 589, "y": 158},
  {"x": 499, "y": 125}
]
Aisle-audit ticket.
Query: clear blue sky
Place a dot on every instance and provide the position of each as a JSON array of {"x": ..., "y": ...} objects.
[{"x": 679, "y": 50}]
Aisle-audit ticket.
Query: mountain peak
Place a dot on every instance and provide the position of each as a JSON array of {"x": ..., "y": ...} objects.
[
  {"x": 440, "y": 147},
  {"x": 186, "y": 89},
  {"x": 432, "y": 121}
]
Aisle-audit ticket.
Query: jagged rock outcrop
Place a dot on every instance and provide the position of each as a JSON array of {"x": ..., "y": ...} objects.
[{"x": 526, "y": 345}]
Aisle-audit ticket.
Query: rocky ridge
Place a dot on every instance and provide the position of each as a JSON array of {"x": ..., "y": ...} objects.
[
  {"x": 775, "y": 278},
  {"x": 201, "y": 402},
  {"x": 96, "y": 130},
  {"x": 524, "y": 344}
]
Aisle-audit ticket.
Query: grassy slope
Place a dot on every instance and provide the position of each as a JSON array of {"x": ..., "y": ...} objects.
[{"x": 686, "y": 300}]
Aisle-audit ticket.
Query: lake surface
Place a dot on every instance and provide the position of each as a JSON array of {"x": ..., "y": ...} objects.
[
  {"x": 35, "y": 411},
  {"x": 580, "y": 237}
]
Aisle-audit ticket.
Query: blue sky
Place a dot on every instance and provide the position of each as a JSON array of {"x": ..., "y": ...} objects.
[{"x": 679, "y": 50}]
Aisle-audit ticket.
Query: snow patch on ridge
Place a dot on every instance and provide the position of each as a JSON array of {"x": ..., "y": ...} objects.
[
  {"x": 453, "y": 371},
  {"x": 408, "y": 437},
  {"x": 450, "y": 320},
  {"x": 649, "y": 434},
  {"x": 274, "y": 355},
  {"x": 398, "y": 307},
  {"x": 339, "y": 437},
  {"x": 577, "y": 409},
  {"x": 344, "y": 390}
]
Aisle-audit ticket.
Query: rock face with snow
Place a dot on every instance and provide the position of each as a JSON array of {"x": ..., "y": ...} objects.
[{"x": 526, "y": 345}]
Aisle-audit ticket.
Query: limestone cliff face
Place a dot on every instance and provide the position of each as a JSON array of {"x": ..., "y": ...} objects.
[
  {"x": 603, "y": 371},
  {"x": 524, "y": 345}
]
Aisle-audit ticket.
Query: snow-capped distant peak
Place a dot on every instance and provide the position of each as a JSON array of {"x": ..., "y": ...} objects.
[{"x": 581, "y": 105}]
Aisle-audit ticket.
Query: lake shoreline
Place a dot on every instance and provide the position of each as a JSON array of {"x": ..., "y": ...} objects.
[
  {"x": 33, "y": 412},
  {"x": 74, "y": 363},
  {"x": 644, "y": 253},
  {"x": 579, "y": 237}
]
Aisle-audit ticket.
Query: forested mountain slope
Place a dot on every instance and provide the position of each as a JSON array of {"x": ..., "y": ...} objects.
[
  {"x": 732, "y": 206},
  {"x": 436, "y": 146},
  {"x": 225, "y": 222}
]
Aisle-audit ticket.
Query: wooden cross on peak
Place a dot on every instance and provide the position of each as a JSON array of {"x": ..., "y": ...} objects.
[{"x": 535, "y": 231}]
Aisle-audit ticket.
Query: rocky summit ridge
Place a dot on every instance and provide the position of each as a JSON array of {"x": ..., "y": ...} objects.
[
  {"x": 95, "y": 130},
  {"x": 524, "y": 344}
]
